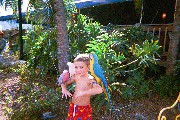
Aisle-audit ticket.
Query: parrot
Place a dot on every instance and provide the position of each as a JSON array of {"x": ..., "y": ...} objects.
[
  {"x": 66, "y": 74},
  {"x": 63, "y": 77},
  {"x": 98, "y": 73}
]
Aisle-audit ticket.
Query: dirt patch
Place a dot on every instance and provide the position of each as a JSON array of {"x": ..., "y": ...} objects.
[
  {"x": 2, "y": 116},
  {"x": 149, "y": 108},
  {"x": 6, "y": 81}
]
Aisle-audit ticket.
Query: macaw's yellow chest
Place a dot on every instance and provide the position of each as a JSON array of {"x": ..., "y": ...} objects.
[
  {"x": 91, "y": 67},
  {"x": 92, "y": 71},
  {"x": 93, "y": 74}
]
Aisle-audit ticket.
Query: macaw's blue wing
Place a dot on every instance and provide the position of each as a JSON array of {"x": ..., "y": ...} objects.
[{"x": 100, "y": 73}]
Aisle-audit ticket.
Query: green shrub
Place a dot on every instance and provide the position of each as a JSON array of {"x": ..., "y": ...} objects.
[
  {"x": 34, "y": 99},
  {"x": 167, "y": 86},
  {"x": 136, "y": 86},
  {"x": 40, "y": 49},
  {"x": 122, "y": 53}
]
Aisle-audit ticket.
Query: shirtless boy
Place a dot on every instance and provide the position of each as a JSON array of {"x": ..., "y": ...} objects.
[{"x": 86, "y": 86}]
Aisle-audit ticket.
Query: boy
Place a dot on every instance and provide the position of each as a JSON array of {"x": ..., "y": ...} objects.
[{"x": 86, "y": 86}]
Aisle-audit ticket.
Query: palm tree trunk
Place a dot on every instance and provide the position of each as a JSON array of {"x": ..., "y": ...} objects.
[
  {"x": 174, "y": 42},
  {"x": 62, "y": 38}
]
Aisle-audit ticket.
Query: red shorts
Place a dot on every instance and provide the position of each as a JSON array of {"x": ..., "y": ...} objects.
[{"x": 76, "y": 112}]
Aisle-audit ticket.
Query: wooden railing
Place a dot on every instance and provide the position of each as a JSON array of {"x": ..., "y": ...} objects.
[{"x": 163, "y": 31}]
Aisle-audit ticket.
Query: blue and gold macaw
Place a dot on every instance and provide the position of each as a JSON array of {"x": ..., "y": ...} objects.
[{"x": 98, "y": 73}]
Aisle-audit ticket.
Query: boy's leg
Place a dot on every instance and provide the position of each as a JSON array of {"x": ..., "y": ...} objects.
[{"x": 70, "y": 112}]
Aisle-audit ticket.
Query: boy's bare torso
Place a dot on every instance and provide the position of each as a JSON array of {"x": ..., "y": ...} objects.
[{"x": 82, "y": 84}]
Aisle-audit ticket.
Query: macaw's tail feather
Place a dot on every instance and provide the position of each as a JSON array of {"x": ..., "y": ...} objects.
[
  {"x": 108, "y": 96},
  {"x": 105, "y": 88}
]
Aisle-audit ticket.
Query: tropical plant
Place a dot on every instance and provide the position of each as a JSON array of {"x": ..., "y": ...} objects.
[
  {"x": 41, "y": 42},
  {"x": 135, "y": 86}
]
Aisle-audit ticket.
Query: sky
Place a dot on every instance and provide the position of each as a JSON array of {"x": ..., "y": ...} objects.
[{"x": 9, "y": 10}]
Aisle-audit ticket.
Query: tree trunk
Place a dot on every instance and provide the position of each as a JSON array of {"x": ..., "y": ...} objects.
[
  {"x": 62, "y": 38},
  {"x": 174, "y": 41},
  {"x": 20, "y": 31}
]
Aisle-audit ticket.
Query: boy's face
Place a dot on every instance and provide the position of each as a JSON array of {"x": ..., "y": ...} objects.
[{"x": 81, "y": 68}]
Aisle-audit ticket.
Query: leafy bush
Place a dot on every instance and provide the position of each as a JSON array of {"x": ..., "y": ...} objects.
[
  {"x": 40, "y": 43},
  {"x": 136, "y": 86},
  {"x": 40, "y": 49},
  {"x": 32, "y": 100},
  {"x": 167, "y": 86}
]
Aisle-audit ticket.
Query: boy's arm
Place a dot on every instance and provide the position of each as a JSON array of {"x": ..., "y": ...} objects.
[
  {"x": 96, "y": 89},
  {"x": 63, "y": 84},
  {"x": 65, "y": 92}
]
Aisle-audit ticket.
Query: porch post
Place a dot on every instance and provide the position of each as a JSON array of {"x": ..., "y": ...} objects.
[{"x": 174, "y": 41}]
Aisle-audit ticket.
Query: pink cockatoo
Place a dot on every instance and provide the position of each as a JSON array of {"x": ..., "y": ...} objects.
[
  {"x": 66, "y": 75},
  {"x": 63, "y": 77}
]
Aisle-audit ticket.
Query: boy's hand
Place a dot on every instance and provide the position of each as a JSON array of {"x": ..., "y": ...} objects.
[{"x": 66, "y": 93}]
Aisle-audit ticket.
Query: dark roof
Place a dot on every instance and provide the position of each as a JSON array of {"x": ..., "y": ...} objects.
[
  {"x": 89, "y": 3},
  {"x": 79, "y": 5}
]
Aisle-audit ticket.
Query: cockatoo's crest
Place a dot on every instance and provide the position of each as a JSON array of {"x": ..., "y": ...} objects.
[{"x": 71, "y": 68}]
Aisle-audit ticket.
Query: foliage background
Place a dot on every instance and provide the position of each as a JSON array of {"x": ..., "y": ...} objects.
[{"x": 129, "y": 59}]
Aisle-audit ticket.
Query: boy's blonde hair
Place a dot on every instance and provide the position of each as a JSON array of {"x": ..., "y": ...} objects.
[{"x": 83, "y": 58}]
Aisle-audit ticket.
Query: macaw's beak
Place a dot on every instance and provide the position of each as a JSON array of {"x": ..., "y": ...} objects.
[{"x": 90, "y": 56}]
